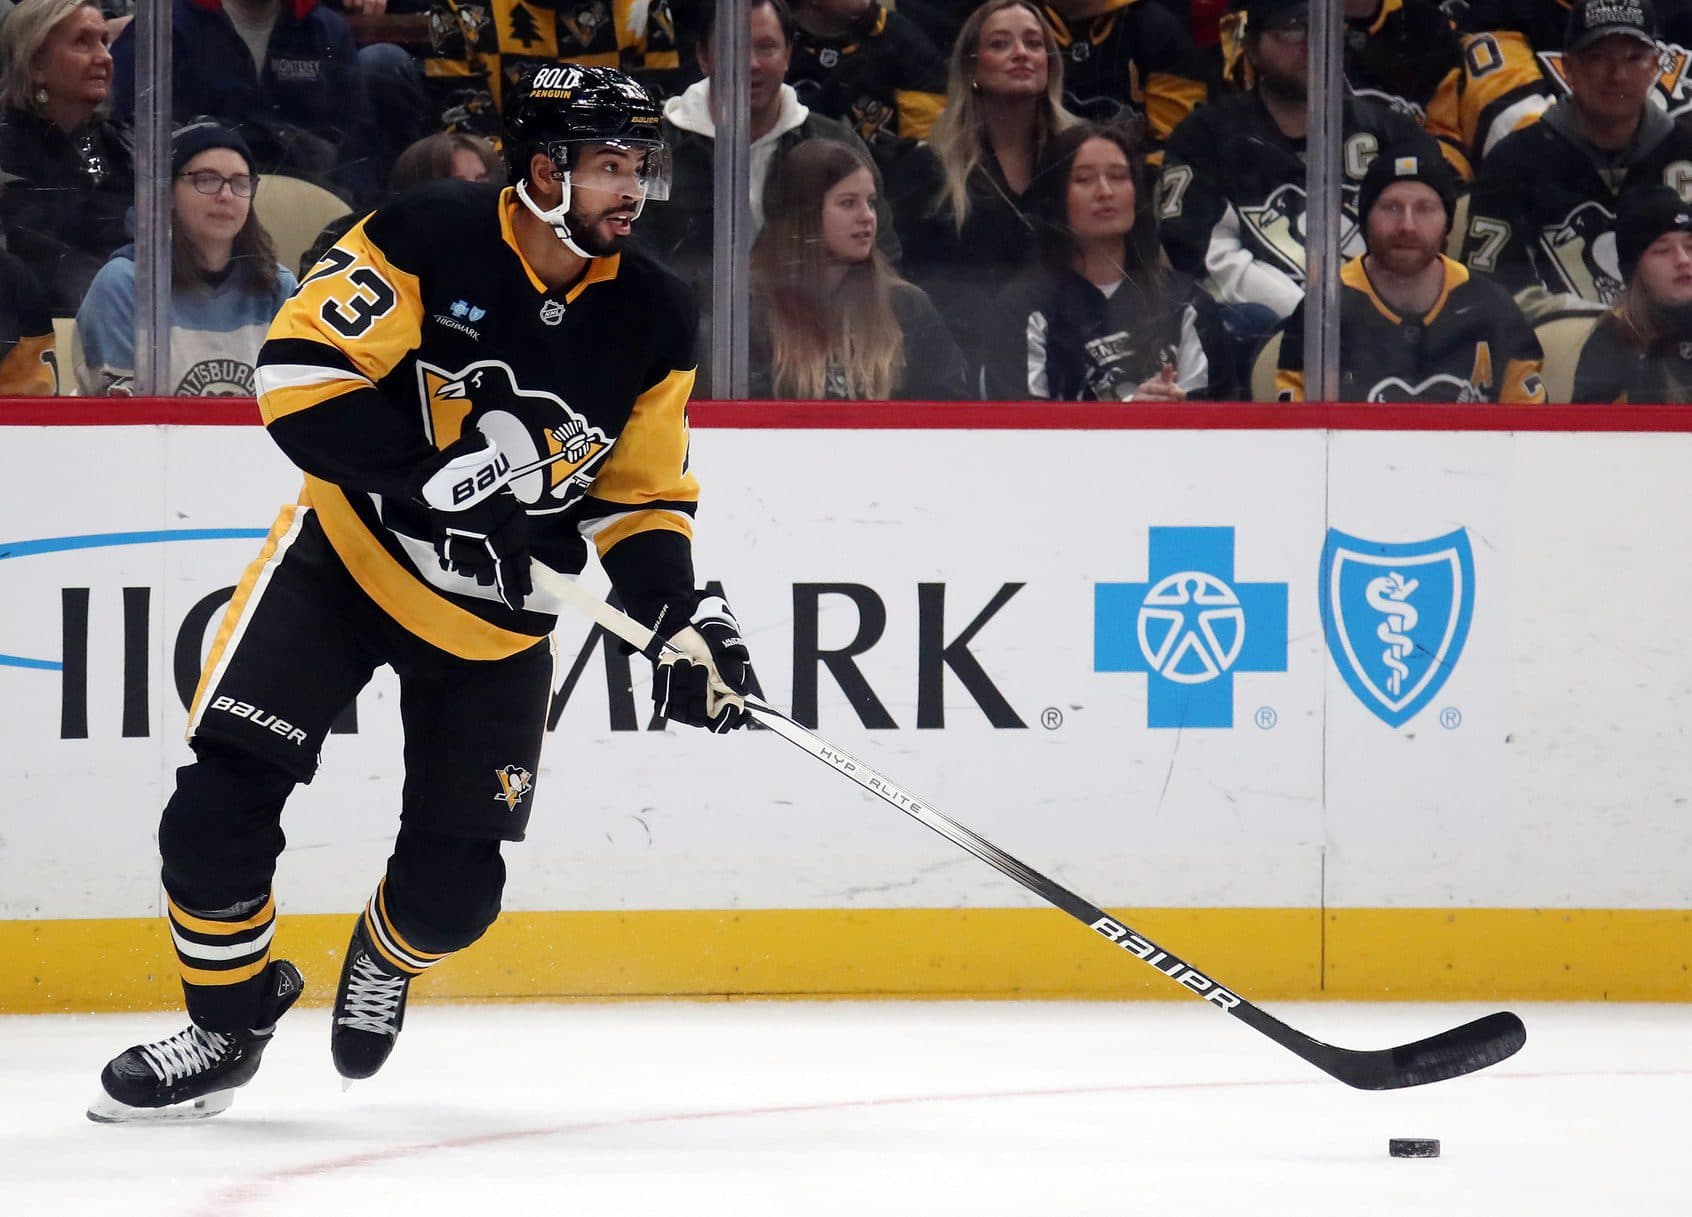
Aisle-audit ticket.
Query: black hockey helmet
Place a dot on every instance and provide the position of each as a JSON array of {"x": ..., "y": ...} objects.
[{"x": 565, "y": 104}]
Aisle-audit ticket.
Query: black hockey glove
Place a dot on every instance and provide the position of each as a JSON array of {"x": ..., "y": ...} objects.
[
  {"x": 706, "y": 687},
  {"x": 480, "y": 530}
]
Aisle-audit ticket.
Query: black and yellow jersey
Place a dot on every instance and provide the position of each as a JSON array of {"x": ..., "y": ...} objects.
[
  {"x": 1473, "y": 345},
  {"x": 1401, "y": 53},
  {"x": 1511, "y": 71},
  {"x": 480, "y": 48},
  {"x": 1135, "y": 55},
  {"x": 883, "y": 76},
  {"x": 28, "y": 363},
  {"x": 1231, "y": 195},
  {"x": 425, "y": 320},
  {"x": 1542, "y": 212}
]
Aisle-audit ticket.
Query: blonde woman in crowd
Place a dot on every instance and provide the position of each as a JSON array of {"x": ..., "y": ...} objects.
[
  {"x": 63, "y": 215},
  {"x": 960, "y": 200},
  {"x": 830, "y": 318}
]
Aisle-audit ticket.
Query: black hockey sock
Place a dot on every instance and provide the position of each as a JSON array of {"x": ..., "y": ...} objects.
[{"x": 222, "y": 955}]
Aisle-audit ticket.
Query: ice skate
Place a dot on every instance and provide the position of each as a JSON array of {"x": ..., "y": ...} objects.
[
  {"x": 369, "y": 1009},
  {"x": 193, "y": 1074}
]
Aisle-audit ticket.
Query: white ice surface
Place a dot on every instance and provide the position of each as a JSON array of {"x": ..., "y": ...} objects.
[{"x": 867, "y": 1110}]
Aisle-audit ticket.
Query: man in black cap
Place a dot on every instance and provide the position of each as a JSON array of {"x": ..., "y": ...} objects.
[
  {"x": 1414, "y": 325},
  {"x": 1542, "y": 217},
  {"x": 1231, "y": 196},
  {"x": 1641, "y": 350}
]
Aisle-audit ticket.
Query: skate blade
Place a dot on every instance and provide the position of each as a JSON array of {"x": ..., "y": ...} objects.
[{"x": 107, "y": 1110}]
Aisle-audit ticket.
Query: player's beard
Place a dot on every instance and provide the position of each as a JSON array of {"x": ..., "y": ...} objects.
[{"x": 586, "y": 233}]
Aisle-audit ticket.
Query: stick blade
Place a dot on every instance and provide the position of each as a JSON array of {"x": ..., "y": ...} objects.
[{"x": 1450, "y": 1054}]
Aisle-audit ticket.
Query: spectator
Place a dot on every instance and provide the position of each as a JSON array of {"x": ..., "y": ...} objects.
[
  {"x": 1542, "y": 218},
  {"x": 226, "y": 285},
  {"x": 678, "y": 232},
  {"x": 1415, "y": 325},
  {"x": 1512, "y": 68},
  {"x": 1101, "y": 318},
  {"x": 1231, "y": 195},
  {"x": 479, "y": 51},
  {"x": 960, "y": 199},
  {"x": 445, "y": 154},
  {"x": 28, "y": 363},
  {"x": 860, "y": 61},
  {"x": 284, "y": 73},
  {"x": 1128, "y": 57},
  {"x": 1641, "y": 349},
  {"x": 830, "y": 318},
  {"x": 75, "y": 176}
]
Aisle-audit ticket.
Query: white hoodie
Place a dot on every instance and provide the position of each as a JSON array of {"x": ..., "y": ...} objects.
[{"x": 691, "y": 111}]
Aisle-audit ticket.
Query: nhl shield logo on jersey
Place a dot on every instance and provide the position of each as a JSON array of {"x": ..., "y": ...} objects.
[
  {"x": 1396, "y": 616},
  {"x": 554, "y": 451},
  {"x": 515, "y": 782}
]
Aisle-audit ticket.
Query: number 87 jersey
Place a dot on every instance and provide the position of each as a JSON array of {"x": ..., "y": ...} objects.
[{"x": 424, "y": 322}]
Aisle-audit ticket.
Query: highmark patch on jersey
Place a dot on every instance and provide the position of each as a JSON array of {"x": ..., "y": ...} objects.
[
  {"x": 1396, "y": 616},
  {"x": 554, "y": 451}
]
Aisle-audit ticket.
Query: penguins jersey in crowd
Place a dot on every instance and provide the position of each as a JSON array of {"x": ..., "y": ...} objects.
[
  {"x": 883, "y": 76},
  {"x": 28, "y": 363},
  {"x": 1542, "y": 212},
  {"x": 1401, "y": 55},
  {"x": 1231, "y": 195},
  {"x": 1134, "y": 55},
  {"x": 1473, "y": 345},
  {"x": 424, "y": 321},
  {"x": 1062, "y": 338},
  {"x": 479, "y": 49},
  {"x": 1511, "y": 70},
  {"x": 1615, "y": 371}
]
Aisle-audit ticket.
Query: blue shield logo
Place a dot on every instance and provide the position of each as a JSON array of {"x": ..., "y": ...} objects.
[{"x": 1396, "y": 616}]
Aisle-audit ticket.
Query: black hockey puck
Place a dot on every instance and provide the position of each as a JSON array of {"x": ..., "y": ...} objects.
[{"x": 1413, "y": 1147}]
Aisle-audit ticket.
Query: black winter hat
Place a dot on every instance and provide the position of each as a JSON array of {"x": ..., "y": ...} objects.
[
  {"x": 1592, "y": 20},
  {"x": 1406, "y": 164},
  {"x": 188, "y": 142},
  {"x": 1643, "y": 215}
]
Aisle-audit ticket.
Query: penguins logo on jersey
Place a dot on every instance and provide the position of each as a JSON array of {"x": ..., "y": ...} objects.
[
  {"x": 554, "y": 451},
  {"x": 514, "y": 782},
  {"x": 1278, "y": 226},
  {"x": 1673, "y": 88},
  {"x": 1441, "y": 387},
  {"x": 1582, "y": 249}
]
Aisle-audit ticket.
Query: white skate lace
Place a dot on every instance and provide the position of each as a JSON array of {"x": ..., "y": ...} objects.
[
  {"x": 373, "y": 999},
  {"x": 188, "y": 1052}
]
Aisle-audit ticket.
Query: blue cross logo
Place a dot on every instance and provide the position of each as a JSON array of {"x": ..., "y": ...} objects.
[{"x": 1190, "y": 627}]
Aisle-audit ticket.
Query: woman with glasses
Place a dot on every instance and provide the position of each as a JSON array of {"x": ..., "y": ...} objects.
[
  {"x": 960, "y": 199},
  {"x": 226, "y": 284},
  {"x": 64, "y": 214}
]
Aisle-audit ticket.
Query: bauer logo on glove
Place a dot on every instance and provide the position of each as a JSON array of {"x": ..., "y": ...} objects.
[{"x": 705, "y": 685}]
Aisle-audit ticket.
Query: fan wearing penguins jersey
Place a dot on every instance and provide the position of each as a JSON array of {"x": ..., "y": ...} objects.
[
  {"x": 470, "y": 376},
  {"x": 1231, "y": 196},
  {"x": 1414, "y": 325},
  {"x": 1542, "y": 215}
]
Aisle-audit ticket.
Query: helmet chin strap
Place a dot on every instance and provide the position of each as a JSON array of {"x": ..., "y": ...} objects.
[{"x": 555, "y": 217}]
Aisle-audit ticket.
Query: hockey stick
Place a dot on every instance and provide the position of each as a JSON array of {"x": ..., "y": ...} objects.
[{"x": 1450, "y": 1054}]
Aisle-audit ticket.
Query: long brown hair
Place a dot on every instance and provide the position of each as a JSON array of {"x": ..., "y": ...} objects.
[
  {"x": 959, "y": 134},
  {"x": 1641, "y": 327},
  {"x": 855, "y": 328},
  {"x": 252, "y": 255}
]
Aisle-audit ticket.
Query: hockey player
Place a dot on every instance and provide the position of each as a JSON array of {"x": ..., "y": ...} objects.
[
  {"x": 470, "y": 376},
  {"x": 1542, "y": 215},
  {"x": 1414, "y": 325},
  {"x": 1231, "y": 195}
]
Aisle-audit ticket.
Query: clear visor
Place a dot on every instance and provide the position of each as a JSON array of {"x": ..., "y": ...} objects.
[{"x": 639, "y": 171}]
